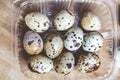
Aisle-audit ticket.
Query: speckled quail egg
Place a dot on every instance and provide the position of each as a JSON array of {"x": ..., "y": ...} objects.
[
  {"x": 40, "y": 64},
  {"x": 73, "y": 39},
  {"x": 88, "y": 62},
  {"x": 64, "y": 64},
  {"x": 32, "y": 42},
  {"x": 37, "y": 22},
  {"x": 53, "y": 45},
  {"x": 64, "y": 20},
  {"x": 90, "y": 22},
  {"x": 92, "y": 42}
]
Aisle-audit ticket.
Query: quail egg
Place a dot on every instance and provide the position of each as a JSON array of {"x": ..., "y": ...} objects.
[
  {"x": 64, "y": 64},
  {"x": 40, "y": 64},
  {"x": 90, "y": 22},
  {"x": 32, "y": 42},
  {"x": 88, "y": 62},
  {"x": 64, "y": 20},
  {"x": 37, "y": 22},
  {"x": 53, "y": 45},
  {"x": 73, "y": 39},
  {"x": 92, "y": 42}
]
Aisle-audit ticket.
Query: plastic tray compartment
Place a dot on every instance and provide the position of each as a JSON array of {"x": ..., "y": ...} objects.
[{"x": 105, "y": 11}]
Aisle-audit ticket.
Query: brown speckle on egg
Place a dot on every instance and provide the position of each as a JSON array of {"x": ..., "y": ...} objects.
[
  {"x": 89, "y": 49},
  {"x": 57, "y": 18},
  {"x": 70, "y": 46},
  {"x": 77, "y": 44},
  {"x": 38, "y": 26},
  {"x": 68, "y": 23},
  {"x": 40, "y": 62},
  {"x": 43, "y": 30},
  {"x": 50, "y": 40},
  {"x": 91, "y": 26},
  {"x": 91, "y": 45},
  {"x": 59, "y": 25},
  {"x": 69, "y": 65}
]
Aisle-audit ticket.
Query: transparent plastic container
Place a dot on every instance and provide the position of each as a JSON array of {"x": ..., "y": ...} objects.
[{"x": 105, "y": 10}]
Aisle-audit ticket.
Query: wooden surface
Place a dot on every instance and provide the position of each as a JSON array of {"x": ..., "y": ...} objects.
[{"x": 9, "y": 70}]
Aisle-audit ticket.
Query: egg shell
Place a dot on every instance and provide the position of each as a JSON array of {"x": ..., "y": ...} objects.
[
  {"x": 90, "y": 22},
  {"x": 73, "y": 39},
  {"x": 40, "y": 64},
  {"x": 88, "y": 62},
  {"x": 64, "y": 64},
  {"x": 92, "y": 42},
  {"x": 37, "y": 22},
  {"x": 53, "y": 45},
  {"x": 32, "y": 42},
  {"x": 64, "y": 20}
]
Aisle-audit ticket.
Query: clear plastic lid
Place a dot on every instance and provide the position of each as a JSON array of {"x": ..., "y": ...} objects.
[{"x": 105, "y": 10}]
